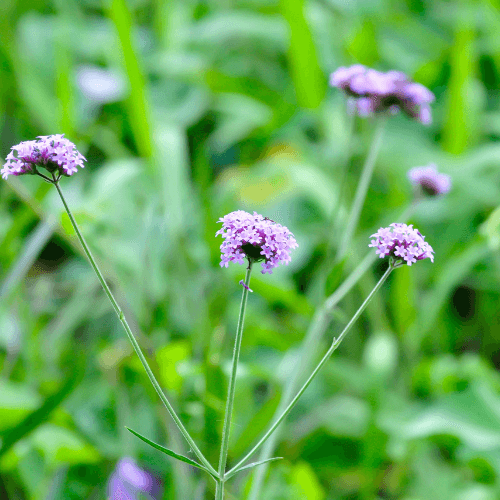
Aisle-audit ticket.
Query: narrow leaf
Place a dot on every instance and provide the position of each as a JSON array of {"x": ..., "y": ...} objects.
[
  {"x": 253, "y": 464},
  {"x": 170, "y": 452}
]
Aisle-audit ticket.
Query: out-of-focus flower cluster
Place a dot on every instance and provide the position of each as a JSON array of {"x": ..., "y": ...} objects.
[
  {"x": 375, "y": 92},
  {"x": 401, "y": 242},
  {"x": 130, "y": 482},
  {"x": 430, "y": 180},
  {"x": 54, "y": 153},
  {"x": 256, "y": 238}
]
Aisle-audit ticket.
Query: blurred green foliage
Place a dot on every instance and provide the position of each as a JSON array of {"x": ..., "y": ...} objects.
[{"x": 225, "y": 106}]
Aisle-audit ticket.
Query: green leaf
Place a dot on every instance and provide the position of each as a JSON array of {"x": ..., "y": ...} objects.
[
  {"x": 253, "y": 464},
  {"x": 308, "y": 79},
  {"x": 137, "y": 102},
  {"x": 42, "y": 414},
  {"x": 170, "y": 452},
  {"x": 306, "y": 482}
]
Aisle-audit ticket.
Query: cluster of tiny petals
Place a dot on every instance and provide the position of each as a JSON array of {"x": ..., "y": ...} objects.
[
  {"x": 401, "y": 242},
  {"x": 254, "y": 237},
  {"x": 375, "y": 92},
  {"x": 52, "y": 152},
  {"x": 430, "y": 180}
]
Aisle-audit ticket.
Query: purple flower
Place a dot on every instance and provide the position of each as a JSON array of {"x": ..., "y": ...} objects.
[
  {"x": 255, "y": 237},
  {"x": 130, "y": 482},
  {"x": 430, "y": 180},
  {"x": 54, "y": 153},
  {"x": 377, "y": 92},
  {"x": 401, "y": 242}
]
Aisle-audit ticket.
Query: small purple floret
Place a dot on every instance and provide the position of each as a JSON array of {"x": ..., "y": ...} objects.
[
  {"x": 430, "y": 180},
  {"x": 373, "y": 91},
  {"x": 256, "y": 238},
  {"x": 130, "y": 482},
  {"x": 401, "y": 242},
  {"x": 242, "y": 283},
  {"x": 54, "y": 153}
]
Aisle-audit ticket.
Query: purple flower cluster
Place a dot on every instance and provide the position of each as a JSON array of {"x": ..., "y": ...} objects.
[
  {"x": 255, "y": 237},
  {"x": 54, "y": 153},
  {"x": 130, "y": 482},
  {"x": 401, "y": 242},
  {"x": 376, "y": 92},
  {"x": 430, "y": 180}
]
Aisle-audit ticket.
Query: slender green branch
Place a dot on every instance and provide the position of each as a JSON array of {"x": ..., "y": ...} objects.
[
  {"x": 335, "y": 214},
  {"x": 131, "y": 337},
  {"x": 362, "y": 189},
  {"x": 335, "y": 344},
  {"x": 219, "y": 490},
  {"x": 311, "y": 341},
  {"x": 232, "y": 381}
]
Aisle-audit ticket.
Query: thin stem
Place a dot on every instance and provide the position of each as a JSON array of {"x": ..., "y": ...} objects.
[
  {"x": 335, "y": 344},
  {"x": 219, "y": 490},
  {"x": 362, "y": 189},
  {"x": 334, "y": 219},
  {"x": 343, "y": 179},
  {"x": 311, "y": 341},
  {"x": 131, "y": 337},
  {"x": 44, "y": 177},
  {"x": 310, "y": 344},
  {"x": 232, "y": 380},
  {"x": 317, "y": 328}
]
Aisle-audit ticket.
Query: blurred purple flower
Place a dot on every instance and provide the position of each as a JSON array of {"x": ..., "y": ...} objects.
[
  {"x": 430, "y": 180},
  {"x": 377, "y": 92},
  {"x": 130, "y": 482},
  {"x": 255, "y": 237},
  {"x": 99, "y": 84},
  {"x": 401, "y": 242},
  {"x": 54, "y": 153}
]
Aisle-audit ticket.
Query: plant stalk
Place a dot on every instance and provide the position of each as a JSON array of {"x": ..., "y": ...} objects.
[
  {"x": 131, "y": 336},
  {"x": 333, "y": 347},
  {"x": 311, "y": 341},
  {"x": 232, "y": 385},
  {"x": 362, "y": 189}
]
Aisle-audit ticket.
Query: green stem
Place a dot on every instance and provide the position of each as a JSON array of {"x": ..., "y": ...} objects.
[
  {"x": 362, "y": 189},
  {"x": 131, "y": 337},
  {"x": 335, "y": 344},
  {"x": 334, "y": 221},
  {"x": 219, "y": 490},
  {"x": 311, "y": 341},
  {"x": 232, "y": 382}
]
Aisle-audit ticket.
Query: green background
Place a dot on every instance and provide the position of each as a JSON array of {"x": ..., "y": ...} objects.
[{"x": 226, "y": 106}]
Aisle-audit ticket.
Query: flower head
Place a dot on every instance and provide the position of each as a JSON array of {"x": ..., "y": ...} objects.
[
  {"x": 401, "y": 242},
  {"x": 255, "y": 237},
  {"x": 54, "y": 153},
  {"x": 130, "y": 482},
  {"x": 430, "y": 180},
  {"x": 376, "y": 92}
]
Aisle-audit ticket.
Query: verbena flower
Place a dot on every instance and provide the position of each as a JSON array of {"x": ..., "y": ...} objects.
[
  {"x": 130, "y": 482},
  {"x": 255, "y": 237},
  {"x": 430, "y": 180},
  {"x": 401, "y": 242},
  {"x": 376, "y": 92},
  {"x": 54, "y": 153}
]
